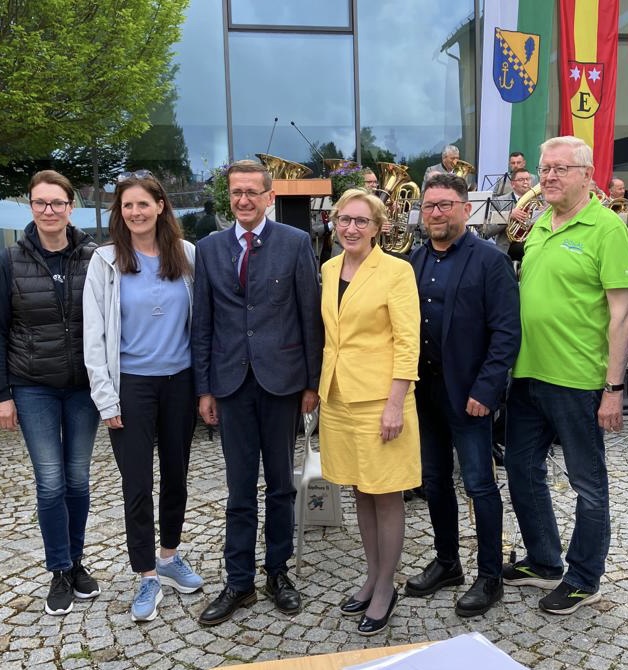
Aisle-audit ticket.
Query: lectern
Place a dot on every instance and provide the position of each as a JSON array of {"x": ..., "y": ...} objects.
[{"x": 292, "y": 200}]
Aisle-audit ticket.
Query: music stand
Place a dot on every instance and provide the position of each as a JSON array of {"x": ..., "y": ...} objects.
[
  {"x": 491, "y": 181},
  {"x": 480, "y": 201}
]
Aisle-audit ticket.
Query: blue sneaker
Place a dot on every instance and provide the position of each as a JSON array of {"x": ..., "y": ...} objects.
[
  {"x": 148, "y": 596},
  {"x": 179, "y": 575}
]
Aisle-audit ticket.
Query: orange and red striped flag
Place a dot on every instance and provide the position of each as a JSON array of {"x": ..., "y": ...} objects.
[{"x": 588, "y": 77}]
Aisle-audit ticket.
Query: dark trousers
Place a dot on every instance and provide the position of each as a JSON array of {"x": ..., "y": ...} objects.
[
  {"x": 255, "y": 423},
  {"x": 442, "y": 430},
  {"x": 164, "y": 407}
]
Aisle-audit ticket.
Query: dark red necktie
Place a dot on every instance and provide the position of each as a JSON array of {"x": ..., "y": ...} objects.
[{"x": 248, "y": 236}]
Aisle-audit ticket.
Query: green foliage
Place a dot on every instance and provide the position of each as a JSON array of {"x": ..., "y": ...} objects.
[
  {"x": 218, "y": 190},
  {"x": 81, "y": 73}
]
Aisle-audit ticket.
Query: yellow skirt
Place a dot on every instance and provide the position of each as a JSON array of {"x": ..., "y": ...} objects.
[{"x": 353, "y": 452}]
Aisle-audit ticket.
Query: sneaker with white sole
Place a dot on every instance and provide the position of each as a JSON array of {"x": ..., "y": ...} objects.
[
  {"x": 85, "y": 586},
  {"x": 178, "y": 574},
  {"x": 522, "y": 574},
  {"x": 60, "y": 598},
  {"x": 148, "y": 596},
  {"x": 566, "y": 599}
]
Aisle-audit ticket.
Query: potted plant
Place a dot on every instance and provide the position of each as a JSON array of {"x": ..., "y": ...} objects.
[{"x": 344, "y": 177}]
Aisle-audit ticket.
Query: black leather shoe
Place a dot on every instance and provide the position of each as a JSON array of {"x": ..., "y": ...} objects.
[
  {"x": 223, "y": 607},
  {"x": 434, "y": 577},
  {"x": 282, "y": 591},
  {"x": 484, "y": 593},
  {"x": 368, "y": 626},
  {"x": 353, "y": 607}
]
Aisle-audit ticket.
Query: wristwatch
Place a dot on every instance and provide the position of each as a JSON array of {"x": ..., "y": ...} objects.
[{"x": 613, "y": 388}]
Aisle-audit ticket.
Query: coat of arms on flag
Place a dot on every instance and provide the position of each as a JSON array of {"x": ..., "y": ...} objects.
[
  {"x": 515, "y": 64},
  {"x": 586, "y": 83}
]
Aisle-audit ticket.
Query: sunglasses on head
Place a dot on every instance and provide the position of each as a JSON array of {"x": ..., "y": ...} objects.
[{"x": 139, "y": 174}]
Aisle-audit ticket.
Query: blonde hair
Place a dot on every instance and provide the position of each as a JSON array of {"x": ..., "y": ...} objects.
[{"x": 378, "y": 210}]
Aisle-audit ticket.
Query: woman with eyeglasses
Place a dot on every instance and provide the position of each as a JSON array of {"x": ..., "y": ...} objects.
[
  {"x": 138, "y": 308},
  {"x": 368, "y": 430},
  {"x": 43, "y": 382}
]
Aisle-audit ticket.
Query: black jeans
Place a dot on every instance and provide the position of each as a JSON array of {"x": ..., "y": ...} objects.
[{"x": 164, "y": 407}]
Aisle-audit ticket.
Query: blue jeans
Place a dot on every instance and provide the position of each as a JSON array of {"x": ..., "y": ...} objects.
[
  {"x": 536, "y": 412},
  {"x": 59, "y": 428},
  {"x": 442, "y": 430}
]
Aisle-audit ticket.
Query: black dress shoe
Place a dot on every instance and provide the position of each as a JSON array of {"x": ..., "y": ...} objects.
[
  {"x": 225, "y": 605},
  {"x": 484, "y": 593},
  {"x": 434, "y": 577},
  {"x": 353, "y": 607},
  {"x": 282, "y": 591},
  {"x": 368, "y": 626}
]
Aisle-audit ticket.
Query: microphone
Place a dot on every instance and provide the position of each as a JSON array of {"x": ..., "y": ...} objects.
[
  {"x": 272, "y": 132},
  {"x": 312, "y": 146}
]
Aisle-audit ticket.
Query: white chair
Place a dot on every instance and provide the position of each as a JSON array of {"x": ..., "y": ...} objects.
[{"x": 311, "y": 470}]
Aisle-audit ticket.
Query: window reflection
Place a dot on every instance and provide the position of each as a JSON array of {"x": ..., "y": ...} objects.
[
  {"x": 293, "y": 13},
  {"x": 303, "y": 78},
  {"x": 200, "y": 84},
  {"x": 417, "y": 90}
]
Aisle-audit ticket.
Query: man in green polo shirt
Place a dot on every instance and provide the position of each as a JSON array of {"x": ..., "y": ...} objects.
[{"x": 568, "y": 377}]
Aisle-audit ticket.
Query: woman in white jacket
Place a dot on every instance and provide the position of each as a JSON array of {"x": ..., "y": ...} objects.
[{"x": 137, "y": 307}]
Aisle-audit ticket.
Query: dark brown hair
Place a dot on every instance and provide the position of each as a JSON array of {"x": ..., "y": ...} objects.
[
  {"x": 52, "y": 177},
  {"x": 446, "y": 180},
  {"x": 173, "y": 262}
]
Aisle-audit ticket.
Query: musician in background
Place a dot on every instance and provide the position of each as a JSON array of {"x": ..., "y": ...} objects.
[
  {"x": 516, "y": 161},
  {"x": 568, "y": 377},
  {"x": 521, "y": 181},
  {"x": 370, "y": 180},
  {"x": 470, "y": 335},
  {"x": 616, "y": 188},
  {"x": 449, "y": 156}
]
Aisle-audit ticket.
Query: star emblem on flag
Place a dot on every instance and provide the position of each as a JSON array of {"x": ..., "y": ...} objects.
[{"x": 586, "y": 85}]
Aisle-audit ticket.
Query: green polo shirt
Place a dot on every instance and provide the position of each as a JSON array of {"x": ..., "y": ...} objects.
[{"x": 564, "y": 310}]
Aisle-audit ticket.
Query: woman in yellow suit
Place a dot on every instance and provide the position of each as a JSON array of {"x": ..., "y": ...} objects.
[{"x": 368, "y": 431}]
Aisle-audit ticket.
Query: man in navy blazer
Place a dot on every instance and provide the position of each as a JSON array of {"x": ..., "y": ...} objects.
[
  {"x": 470, "y": 336},
  {"x": 257, "y": 341}
]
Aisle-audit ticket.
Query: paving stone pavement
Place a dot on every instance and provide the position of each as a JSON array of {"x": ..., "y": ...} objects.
[{"x": 100, "y": 633}]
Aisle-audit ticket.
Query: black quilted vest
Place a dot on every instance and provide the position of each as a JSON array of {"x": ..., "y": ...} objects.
[{"x": 46, "y": 337}]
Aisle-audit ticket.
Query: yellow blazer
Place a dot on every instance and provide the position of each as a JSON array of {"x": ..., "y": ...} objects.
[{"x": 374, "y": 337}]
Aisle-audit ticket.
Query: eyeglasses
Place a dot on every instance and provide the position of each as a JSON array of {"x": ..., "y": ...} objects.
[
  {"x": 559, "y": 170},
  {"x": 140, "y": 174},
  {"x": 361, "y": 222},
  {"x": 57, "y": 206},
  {"x": 250, "y": 194},
  {"x": 444, "y": 206},
  {"x": 520, "y": 179}
]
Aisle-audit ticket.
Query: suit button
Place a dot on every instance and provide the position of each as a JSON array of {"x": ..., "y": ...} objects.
[
  {"x": 249, "y": 333},
  {"x": 243, "y": 361},
  {"x": 249, "y": 307}
]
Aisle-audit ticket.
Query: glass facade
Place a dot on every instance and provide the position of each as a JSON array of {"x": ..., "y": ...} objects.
[{"x": 362, "y": 79}]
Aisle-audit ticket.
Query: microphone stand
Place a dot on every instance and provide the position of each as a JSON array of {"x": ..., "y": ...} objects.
[{"x": 312, "y": 147}]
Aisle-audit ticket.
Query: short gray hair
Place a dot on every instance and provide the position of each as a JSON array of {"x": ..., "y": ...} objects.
[
  {"x": 450, "y": 149},
  {"x": 582, "y": 152}
]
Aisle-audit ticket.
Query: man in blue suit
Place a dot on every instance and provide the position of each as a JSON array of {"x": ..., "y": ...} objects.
[
  {"x": 257, "y": 341},
  {"x": 470, "y": 336}
]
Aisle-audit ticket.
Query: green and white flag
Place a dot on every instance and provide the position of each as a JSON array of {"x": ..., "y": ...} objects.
[{"x": 513, "y": 116}]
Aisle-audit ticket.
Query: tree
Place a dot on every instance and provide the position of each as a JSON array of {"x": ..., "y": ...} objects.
[{"x": 79, "y": 73}]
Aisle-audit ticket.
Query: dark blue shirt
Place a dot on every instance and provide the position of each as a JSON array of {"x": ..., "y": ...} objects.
[{"x": 432, "y": 288}]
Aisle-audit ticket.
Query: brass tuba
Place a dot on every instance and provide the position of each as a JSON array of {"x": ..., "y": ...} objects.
[
  {"x": 462, "y": 168},
  {"x": 279, "y": 168},
  {"x": 530, "y": 201},
  {"x": 399, "y": 193},
  {"x": 618, "y": 205}
]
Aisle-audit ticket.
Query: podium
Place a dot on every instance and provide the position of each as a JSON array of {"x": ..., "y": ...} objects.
[{"x": 292, "y": 200}]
